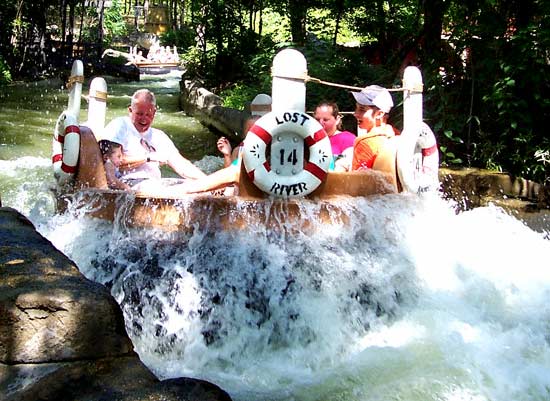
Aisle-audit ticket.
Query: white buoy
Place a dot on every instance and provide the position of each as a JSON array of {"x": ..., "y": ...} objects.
[
  {"x": 288, "y": 86},
  {"x": 97, "y": 106},
  {"x": 412, "y": 99},
  {"x": 417, "y": 157},
  {"x": 75, "y": 86}
]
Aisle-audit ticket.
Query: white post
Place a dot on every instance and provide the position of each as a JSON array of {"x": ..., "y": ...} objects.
[
  {"x": 75, "y": 86},
  {"x": 261, "y": 105},
  {"x": 97, "y": 105},
  {"x": 412, "y": 99},
  {"x": 288, "y": 87}
]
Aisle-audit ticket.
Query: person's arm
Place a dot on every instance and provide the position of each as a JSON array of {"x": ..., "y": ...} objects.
[
  {"x": 112, "y": 180},
  {"x": 183, "y": 167},
  {"x": 166, "y": 152},
  {"x": 129, "y": 163},
  {"x": 218, "y": 179},
  {"x": 343, "y": 162}
]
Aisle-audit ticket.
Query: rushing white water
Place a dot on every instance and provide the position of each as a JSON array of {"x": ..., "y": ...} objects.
[{"x": 410, "y": 301}]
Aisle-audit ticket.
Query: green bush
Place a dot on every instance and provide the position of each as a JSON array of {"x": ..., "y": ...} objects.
[
  {"x": 5, "y": 74},
  {"x": 114, "y": 25},
  {"x": 181, "y": 38}
]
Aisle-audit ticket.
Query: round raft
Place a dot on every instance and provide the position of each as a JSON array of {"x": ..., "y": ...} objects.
[{"x": 285, "y": 162}]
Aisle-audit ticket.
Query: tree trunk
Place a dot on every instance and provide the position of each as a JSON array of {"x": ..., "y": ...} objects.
[
  {"x": 339, "y": 12},
  {"x": 174, "y": 14},
  {"x": 70, "y": 38},
  {"x": 16, "y": 31},
  {"x": 434, "y": 11},
  {"x": 63, "y": 13},
  {"x": 251, "y": 14},
  {"x": 298, "y": 16},
  {"x": 136, "y": 15},
  {"x": 261, "y": 10},
  {"x": 381, "y": 27},
  {"x": 100, "y": 29}
]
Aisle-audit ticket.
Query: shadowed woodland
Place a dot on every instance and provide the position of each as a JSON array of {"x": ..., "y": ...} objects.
[{"x": 485, "y": 63}]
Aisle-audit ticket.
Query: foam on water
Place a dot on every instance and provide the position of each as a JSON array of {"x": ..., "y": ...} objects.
[{"x": 26, "y": 184}]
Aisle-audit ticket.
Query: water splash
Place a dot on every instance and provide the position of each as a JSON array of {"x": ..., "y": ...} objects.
[
  {"x": 407, "y": 300},
  {"x": 27, "y": 184}
]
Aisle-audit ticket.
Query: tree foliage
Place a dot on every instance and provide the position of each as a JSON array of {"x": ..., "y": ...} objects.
[{"x": 485, "y": 63}]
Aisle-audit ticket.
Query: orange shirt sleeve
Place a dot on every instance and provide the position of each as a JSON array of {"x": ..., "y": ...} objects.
[{"x": 363, "y": 155}]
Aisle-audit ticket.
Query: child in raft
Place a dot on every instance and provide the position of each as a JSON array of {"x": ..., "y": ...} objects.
[{"x": 112, "y": 157}]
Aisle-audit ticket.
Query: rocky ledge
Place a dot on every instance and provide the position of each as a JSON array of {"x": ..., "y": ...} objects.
[
  {"x": 62, "y": 336},
  {"x": 524, "y": 199}
]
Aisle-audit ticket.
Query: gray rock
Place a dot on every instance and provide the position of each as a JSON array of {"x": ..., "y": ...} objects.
[
  {"x": 48, "y": 310},
  {"x": 110, "y": 379},
  {"x": 62, "y": 336},
  {"x": 207, "y": 107}
]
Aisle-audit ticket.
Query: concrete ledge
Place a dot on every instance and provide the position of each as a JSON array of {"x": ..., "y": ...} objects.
[{"x": 207, "y": 107}]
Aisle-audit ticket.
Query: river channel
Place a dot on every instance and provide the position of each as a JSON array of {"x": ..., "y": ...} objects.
[{"x": 411, "y": 300}]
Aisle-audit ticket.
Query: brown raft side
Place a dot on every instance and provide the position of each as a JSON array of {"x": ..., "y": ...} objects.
[
  {"x": 91, "y": 172},
  {"x": 204, "y": 212},
  {"x": 251, "y": 207}
]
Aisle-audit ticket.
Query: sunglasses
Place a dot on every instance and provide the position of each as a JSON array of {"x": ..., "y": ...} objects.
[{"x": 147, "y": 146}]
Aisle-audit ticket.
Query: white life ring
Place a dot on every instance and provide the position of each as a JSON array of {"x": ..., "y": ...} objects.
[
  {"x": 282, "y": 135},
  {"x": 66, "y": 148},
  {"x": 418, "y": 160},
  {"x": 66, "y": 135}
]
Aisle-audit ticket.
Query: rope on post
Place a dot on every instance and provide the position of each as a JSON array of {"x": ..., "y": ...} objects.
[
  {"x": 97, "y": 94},
  {"x": 307, "y": 78},
  {"x": 74, "y": 79}
]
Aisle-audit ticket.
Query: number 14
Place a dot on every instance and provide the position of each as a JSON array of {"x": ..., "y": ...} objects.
[{"x": 291, "y": 158}]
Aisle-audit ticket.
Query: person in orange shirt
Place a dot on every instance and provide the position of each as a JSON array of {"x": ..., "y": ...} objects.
[{"x": 373, "y": 104}]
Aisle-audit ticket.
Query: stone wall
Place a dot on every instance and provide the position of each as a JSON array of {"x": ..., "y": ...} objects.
[
  {"x": 207, "y": 107},
  {"x": 470, "y": 188}
]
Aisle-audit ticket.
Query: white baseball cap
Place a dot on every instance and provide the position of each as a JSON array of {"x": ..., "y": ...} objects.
[{"x": 374, "y": 95}]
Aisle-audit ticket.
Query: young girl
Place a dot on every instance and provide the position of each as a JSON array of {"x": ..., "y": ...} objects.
[
  {"x": 112, "y": 157},
  {"x": 341, "y": 142}
]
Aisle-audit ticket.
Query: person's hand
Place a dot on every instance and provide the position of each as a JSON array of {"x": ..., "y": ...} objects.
[
  {"x": 224, "y": 146},
  {"x": 188, "y": 187},
  {"x": 343, "y": 162}
]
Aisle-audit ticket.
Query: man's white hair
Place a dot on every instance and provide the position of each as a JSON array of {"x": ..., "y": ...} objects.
[{"x": 144, "y": 94}]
